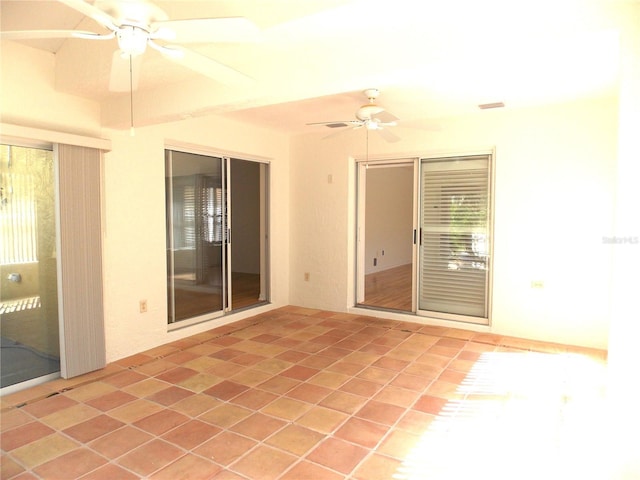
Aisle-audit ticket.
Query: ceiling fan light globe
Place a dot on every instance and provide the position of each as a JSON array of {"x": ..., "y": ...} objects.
[
  {"x": 132, "y": 40},
  {"x": 367, "y": 111}
]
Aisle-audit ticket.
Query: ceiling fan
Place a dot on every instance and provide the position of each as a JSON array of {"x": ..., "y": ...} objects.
[
  {"x": 371, "y": 116},
  {"x": 136, "y": 24}
]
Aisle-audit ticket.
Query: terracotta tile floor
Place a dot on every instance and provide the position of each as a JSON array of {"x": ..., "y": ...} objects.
[{"x": 307, "y": 394}]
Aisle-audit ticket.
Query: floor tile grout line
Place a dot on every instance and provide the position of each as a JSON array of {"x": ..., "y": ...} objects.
[
  {"x": 394, "y": 427},
  {"x": 129, "y": 367},
  {"x": 334, "y": 389},
  {"x": 369, "y": 322},
  {"x": 337, "y": 427},
  {"x": 390, "y": 428}
]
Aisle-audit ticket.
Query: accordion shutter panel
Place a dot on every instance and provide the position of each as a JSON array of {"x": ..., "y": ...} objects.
[{"x": 80, "y": 262}]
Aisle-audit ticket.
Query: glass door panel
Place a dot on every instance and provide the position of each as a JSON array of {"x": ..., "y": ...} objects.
[
  {"x": 28, "y": 266},
  {"x": 386, "y": 222},
  {"x": 455, "y": 246},
  {"x": 248, "y": 233},
  {"x": 196, "y": 235}
]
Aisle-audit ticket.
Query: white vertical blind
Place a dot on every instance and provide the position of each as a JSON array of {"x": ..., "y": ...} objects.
[
  {"x": 82, "y": 320},
  {"x": 454, "y": 253}
]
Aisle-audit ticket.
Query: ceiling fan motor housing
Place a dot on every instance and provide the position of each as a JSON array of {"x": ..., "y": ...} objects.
[
  {"x": 365, "y": 112},
  {"x": 132, "y": 40}
]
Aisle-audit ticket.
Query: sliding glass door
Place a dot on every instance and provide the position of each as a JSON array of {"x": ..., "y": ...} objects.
[
  {"x": 195, "y": 235},
  {"x": 210, "y": 202},
  {"x": 424, "y": 236},
  {"x": 28, "y": 265}
]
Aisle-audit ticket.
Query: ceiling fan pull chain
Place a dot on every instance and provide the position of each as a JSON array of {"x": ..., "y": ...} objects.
[
  {"x": 367, "y": 147},
  {"x": 132, "y": 131}
]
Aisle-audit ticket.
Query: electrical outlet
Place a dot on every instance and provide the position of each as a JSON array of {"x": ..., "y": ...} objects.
[
  {"x": 375, "y": 262},
  {"x": 143, "y": 306}
]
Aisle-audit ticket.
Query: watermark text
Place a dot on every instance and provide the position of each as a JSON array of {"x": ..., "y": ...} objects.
[{"x": 621, "y": 240}]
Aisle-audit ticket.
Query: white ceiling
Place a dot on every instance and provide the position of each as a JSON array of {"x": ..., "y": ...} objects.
[{"x": 429, "y": 58}]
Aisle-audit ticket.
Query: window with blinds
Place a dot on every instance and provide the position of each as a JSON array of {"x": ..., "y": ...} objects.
[
  {"x": 26, "y": 179},
  {"x": 455, "y": 236}
]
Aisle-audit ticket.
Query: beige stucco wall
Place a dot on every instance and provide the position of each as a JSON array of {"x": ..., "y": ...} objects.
[{"x": 554, "y": 193}]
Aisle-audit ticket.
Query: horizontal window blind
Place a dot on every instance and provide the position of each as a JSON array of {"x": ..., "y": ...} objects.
[
  {"x": 454, "y": 254},
  {"x": 25, "y": 176}
]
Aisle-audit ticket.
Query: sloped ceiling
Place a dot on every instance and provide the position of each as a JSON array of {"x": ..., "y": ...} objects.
[{"x": 315, "y": 57}]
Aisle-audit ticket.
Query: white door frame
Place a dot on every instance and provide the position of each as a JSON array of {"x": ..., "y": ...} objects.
[{"x": 361, "y": 194}]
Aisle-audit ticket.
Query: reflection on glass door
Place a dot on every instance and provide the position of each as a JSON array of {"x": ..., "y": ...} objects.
[
  {"x": 28, "y": 267},
  {"x": 216, "y": 235},
  {"x": 196, "y": 233}
]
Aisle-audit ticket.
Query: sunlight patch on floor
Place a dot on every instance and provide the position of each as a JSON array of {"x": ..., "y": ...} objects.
[{"x": 519, "y": 415}]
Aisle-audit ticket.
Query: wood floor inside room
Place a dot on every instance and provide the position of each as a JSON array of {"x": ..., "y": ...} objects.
[
  {"x": 389, "y": 289},
  {"x": 245, "y": 289},
  {"x": 303, "y": 394},
  {"x": 193, "y": 301}
]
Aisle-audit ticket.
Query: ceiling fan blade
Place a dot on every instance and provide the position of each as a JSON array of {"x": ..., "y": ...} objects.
[
  {"x": 125, "y": 76},
  {"x": 388, "y": 135},
  {"x": 36, "y": 34},
  {"x": 208, "y": 30},
  {"x": 93, "y": 12},
  {"x": 385, "y": 117},
  {"x": 341, "y": 131},
  {"x": 339, "y": 123},
  {"x": 209, "y": 67}
]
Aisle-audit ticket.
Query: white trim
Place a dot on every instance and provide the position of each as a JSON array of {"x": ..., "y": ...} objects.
[
  {"x": 184, "y": 147},
  {"x": 61, "y": 332},
  {"x": 16, "y": 387},
  {"x": 12, "y": 133},
  {"x": 227, "y": 238},
  {"x": 188, "y": 322},
  {"x": 424, "y": 154},
  {"x": 387, "y": 162},
  {"x": 463, "y": 322}
]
